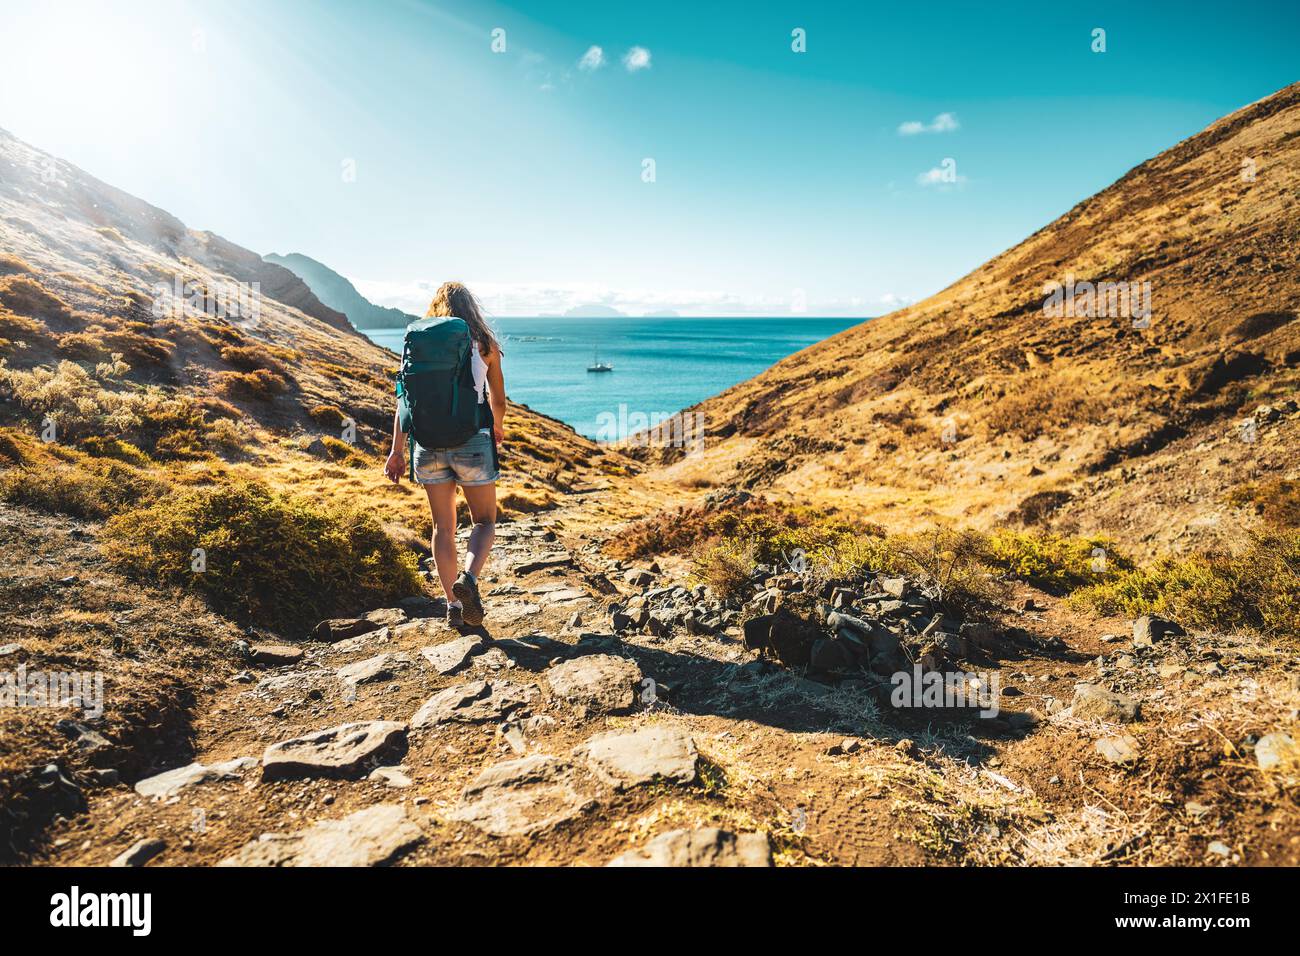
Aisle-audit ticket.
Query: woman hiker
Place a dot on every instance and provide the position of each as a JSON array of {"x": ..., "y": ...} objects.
[{"x": 451, "y": 404}]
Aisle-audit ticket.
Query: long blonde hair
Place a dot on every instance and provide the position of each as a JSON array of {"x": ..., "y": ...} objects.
[{"x": 453, "y": 300}]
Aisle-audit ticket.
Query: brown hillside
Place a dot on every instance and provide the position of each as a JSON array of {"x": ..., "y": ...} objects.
[
  {"x": 976, "y": 406},
  {"x": 81, "y": 264}
]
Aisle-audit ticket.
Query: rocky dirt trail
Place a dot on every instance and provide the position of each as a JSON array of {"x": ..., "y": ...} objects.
[{"x": 607, "y": 714}]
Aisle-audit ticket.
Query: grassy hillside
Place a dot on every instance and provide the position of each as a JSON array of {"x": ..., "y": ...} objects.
[{"x": 980, "y": 406}]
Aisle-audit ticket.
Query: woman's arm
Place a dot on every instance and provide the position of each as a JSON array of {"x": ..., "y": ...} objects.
[
  {"x": 396, "y": 463},
  {"x": 496, "y": 393}
]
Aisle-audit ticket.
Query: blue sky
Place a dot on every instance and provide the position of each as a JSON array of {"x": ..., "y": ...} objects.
[{"x": 784, "y": 182}]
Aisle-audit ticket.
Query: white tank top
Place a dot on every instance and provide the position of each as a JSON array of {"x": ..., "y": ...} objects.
[{"x": 479, "y": 367}]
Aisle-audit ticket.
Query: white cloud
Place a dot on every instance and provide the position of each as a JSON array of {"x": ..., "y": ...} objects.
[
  {"x": 637, "y": 58},
  {"x": 593, "y": 59},
  {"x": 943, "y": 123}
]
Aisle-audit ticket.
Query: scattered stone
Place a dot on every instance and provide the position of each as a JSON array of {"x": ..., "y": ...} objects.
[
  {"x": 1277, "y": 751},
  {"x": 630, "y": 758},
  {"x": 168, "y": 784},
  {"x": 756, "y": 630},
  {"x": 453, "y": 655},
  {"x": 474, "y": 702},
  {"x": 1149, "y": 629},
  {"x": 386, "y": 617},
  {"x": 894, "y": 587},
  {"x": 375, "y": 638},
  {"x": 1219, "y": 849},
  {"x": 392, "y": 776},
  {"x": 1021, "y": 720},
  {"x": 106, "y": 777},
  {"x": 849, "y": 745},
  {"x": 563, "y": 595},
  {"x": 9, "y": 649},
  {"x": 542, "y": 564},
  {"x": 274, "y": 655},
  {"x": 513, "y": 735},
  {"x": 638, "y": 577},
  {"x": 336, "y": 629},
  {"x": 372, "y": 837},
  {"x": 140, "y": 853},
  {"x": 57, "y": 792},
  {"x": 340, "y": 752},
  {"x": 600, "y": 683},
  {"x": 1120, "y": 750},
  {"x": 521, "y": 797},
  {"x": 372, "y": 669},
  {"x": 421, "y": 605},
  {"x": 94, "y": 745},
  {"x": 708, "y": 846},
  {"x": 1093, "y": 702}
]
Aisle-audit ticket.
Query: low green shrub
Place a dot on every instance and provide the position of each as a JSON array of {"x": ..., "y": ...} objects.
[
  {"x": 266, "y": 558},
  {"x": 1256, "y": 588}
]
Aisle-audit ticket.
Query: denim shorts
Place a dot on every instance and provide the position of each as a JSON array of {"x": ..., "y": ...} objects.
[{"x": 472, "y": 463}]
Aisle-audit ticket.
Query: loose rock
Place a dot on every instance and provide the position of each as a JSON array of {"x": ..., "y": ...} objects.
[
  {"x": 600, "y": 683},
  {"x": 453, "y": 655},
  {"x": 521, "y": 797},
  {"x": 140, "y": 853},
  {"x": 1120, "y": 750},
  {"x": 371, "y": 837},
  {"x": 339, "y": 752},
  {"x": 172, "y": 782},
  {"x": 473, "y": 702},
  {"x": 1093, "y": 702},
  {"x": 1277, "y": 751},
  {"x": 630, "y": 758}
]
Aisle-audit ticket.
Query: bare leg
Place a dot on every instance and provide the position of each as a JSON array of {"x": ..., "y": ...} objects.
[
  {"x": 442, "y": 503},
  {"x": 482, "y": 500}
]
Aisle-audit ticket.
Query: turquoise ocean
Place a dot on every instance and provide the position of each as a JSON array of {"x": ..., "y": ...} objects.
[{"x": 661, "y": 365}]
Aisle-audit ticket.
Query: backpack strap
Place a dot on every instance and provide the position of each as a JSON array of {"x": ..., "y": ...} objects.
[{"x": 403, "y": 399}]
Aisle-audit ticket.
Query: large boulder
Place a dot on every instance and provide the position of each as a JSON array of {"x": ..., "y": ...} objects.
[
  {"x": 628, "y": 758},
  {"x": 522, "y": 797},
  {"x": 704, "y": 847},
  {"x": 599, "y": 683},
  {"x": 371, "y": 837},
  {"x": 346, "y": 752}
]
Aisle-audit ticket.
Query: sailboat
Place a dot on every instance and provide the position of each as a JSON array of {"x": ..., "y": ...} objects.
[{"x": 597, "y": 365}]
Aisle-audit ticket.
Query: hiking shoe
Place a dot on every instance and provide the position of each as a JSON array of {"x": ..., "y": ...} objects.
[
  {"x": 454, "y": 617},
  {"x": 466, "y": 591}
]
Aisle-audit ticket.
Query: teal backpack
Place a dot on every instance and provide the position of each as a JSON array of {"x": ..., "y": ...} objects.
[{"x": 437, "y": 404}]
